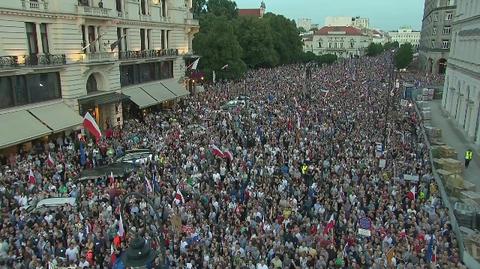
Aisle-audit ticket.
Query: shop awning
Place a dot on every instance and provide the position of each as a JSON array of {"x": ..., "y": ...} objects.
[
  {"x": 140, "y": 97},
  {"x": 103, "y": 98},
  {"x": 20, "y": 126},
  {"x": 58, "y": 117},
  {"x": 159, "y": 92},
  {"x": 175, "y": 87}
]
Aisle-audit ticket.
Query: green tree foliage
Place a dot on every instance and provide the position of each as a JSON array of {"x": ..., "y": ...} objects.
[
  {"x": 218, "y": 46},
  {"x": 255, "y": 37},
  {"x": 327, "y": 58},
  {"x": 222, "y": 8},
  {"x": 302, "y": 30},
  {"x": 309, "y": 57},
  {"x": 198, "y": 7},
  {"x": 374, "y": 49},
  {"x": 404, "y": 56},
  {"x": 391, "y": 45},
  {"x": 286, "y": 38}
]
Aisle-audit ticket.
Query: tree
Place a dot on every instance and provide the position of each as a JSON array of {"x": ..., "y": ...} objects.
[
  {"x": 374, "y": 49},
  {"x": 218, "y": 46},
  {"x": 327, "y": 58},
  {"x": 222, "y": 8},
  {"x": 404, "y": 56},
  {"x": 198, "y": 7},
  {"x": 391, "y": 45},
  {"x": 302, "y": 30},
  {"x": 255, "y": 38},
  {"x": 286, "y": 38}
]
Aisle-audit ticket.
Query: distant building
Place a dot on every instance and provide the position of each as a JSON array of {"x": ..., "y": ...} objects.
[
  {"x": 436, "y": 35},
  {"x": 358, "y": 22},
  {"x": 304, "y": 23},
  {"x": 343, "y": 41},
  {"x": 461, "y": 94},
  {"x": 379, "y": 37},
  {"x": 406, "y": 35},
  {"x": 253, "y": 12}
]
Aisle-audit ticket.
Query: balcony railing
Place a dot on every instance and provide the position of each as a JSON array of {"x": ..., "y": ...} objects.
[
  {"x": 99, "y": 57},
  {"x": 145, "y": 17},
  {"x": 35, "y": 5},
  {"x": 146, "y": 54},
  {"x": 93, "y": 11},
  {"x": 8, "y": 61},
  {"x": 45, "y": 59}
]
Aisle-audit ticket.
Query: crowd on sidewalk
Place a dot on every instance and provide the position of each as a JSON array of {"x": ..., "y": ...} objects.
[{"x": 327, "y": 172}]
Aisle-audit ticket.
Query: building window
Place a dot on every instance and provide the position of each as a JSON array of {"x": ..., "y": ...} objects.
[
  {"x": 433, "y": 43},
  {"x": 164, "y": 8},
  {"x": 92, "y": 85},
  {"x": 319, "y": 44},
  {"x": 144, "y": 7},
  {"x": 434, "y": 30},
  {"x": 451, "y": 2},
  {"x": 119, "y": 39},
  {"x": 118, "y": 4},
  {"x": 44, "y": 37},
  {"x": 445, "y": 44},
  {"x": 31, "y": 37},
  {"x": 142, "y": 39},
  {"x": 149, "y": 40},
  {"x": 448, "y": 16},
  {"x": 125, "y": 38},
  {"x": 91, "y": 39},
  {"x": 29, "y": 89},
  {"x": 447, "y": 30},
  {"x": 163, "y": 39},
  {"x": 142, "y": 73},
  {"x": 435, "y": 17}
]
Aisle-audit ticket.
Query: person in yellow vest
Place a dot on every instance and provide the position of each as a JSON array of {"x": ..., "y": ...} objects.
[
  {"x": 304, "y": 169},
  {"x": 468, "y": 157}
]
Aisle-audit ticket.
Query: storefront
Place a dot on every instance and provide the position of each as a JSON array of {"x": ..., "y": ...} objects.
[{"x": 105, "y": 107}]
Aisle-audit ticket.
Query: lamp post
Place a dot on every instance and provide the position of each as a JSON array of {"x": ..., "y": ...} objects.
[{"x": 139, "y": 253}]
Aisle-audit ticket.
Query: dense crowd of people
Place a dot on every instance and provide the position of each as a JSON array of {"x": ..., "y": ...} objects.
[{"x": 325, "y": 172}]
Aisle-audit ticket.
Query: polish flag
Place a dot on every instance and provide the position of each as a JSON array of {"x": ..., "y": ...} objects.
[
  {"x": 149, "y": 185},
  {"x": 31, "y": 177},
  {"x": 111, "y": 179},
  {"x": 217, "y": 152},
  {"x": 330, "y": 225},
  {"x": 412, "y": 193},
  {"x": 121, "y": 229},
  {"x": 50, "y": 161},
  {"x": 91, "y": 125},
  {"x": 228, "y": 155},
  {"x": 403, "y": 233},
  {"x": 194, "y": 65},
  {"x": 179, "y": 197}
]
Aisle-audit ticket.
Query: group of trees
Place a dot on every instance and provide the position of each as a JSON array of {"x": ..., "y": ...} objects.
[
  {"x": 243, "y": 42},
  {"x": 403, "y": 54}
]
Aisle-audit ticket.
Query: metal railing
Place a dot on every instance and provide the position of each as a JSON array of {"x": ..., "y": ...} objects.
[
  {"x": 145, "y": 54},
  {"x": 93, "y": 11},
  {"x": 8, "y": 61},
  {"x": 99, "y": 57},
  {"x": 34, "y": 5},
  {"x": 45, "y": 59}
]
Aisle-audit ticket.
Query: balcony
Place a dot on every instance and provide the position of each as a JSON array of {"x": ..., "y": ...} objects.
[
  {"x": 146, "y": 17},
  {"x": 97, "y": 57},
  {"x": 93, "y": 11},
  {"x": 33, "y": 60},
  {"x": 35, "y": 5},
  {"x": 147, "y": 54}
]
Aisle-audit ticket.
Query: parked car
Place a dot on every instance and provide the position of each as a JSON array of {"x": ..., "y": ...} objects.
[
  {"x": 135, "y": 156},
  {"x": 51, "y": 203},
  {"x": 234, "y": 104},
  {"x": 118, "y": 169}
]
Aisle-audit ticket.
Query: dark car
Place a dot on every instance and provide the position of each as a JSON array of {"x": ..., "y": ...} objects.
[{"x": 118, "y": 169}]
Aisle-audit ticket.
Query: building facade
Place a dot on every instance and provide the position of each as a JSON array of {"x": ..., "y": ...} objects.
[
  {"x": 436, "y": 35},
  {"x": 406, "y": 35},
  {"x": 461, "y": 95},
  {"x": 105, "y": 57},
  {"x": 304, "y": 23},
  {"x": 358, "y": 22},
  {"x": 343, "y": 41},
  {"x": 253, "y": 12}
]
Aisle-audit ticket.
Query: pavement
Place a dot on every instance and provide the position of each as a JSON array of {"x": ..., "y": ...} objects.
[{"x": 454, "y": 137}]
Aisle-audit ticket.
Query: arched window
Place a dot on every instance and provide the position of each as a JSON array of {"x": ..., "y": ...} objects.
[{"x": 91, "y": 84}]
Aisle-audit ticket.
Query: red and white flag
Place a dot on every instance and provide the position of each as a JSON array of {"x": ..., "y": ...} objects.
[
  {"x": 412, "y": 193},
  {"x": 179, "y": 197},
  {"x": 216, "y": 151},
  {"x": 228, "y": 155},
  {"x": 50, "y": 161},
  {"x": 330, "y": 225},
  {"x": 91, "y": 125},
  {"x": 111, "y": 179},
  {"x": 194, "y": 65},
  {"x": 149, "y": 185},
  {"x": 121, "y": 229},
  {"x": 31, "y": 177}
]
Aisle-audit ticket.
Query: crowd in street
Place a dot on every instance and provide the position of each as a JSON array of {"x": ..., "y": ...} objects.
[{"x": 325, "y": 172}]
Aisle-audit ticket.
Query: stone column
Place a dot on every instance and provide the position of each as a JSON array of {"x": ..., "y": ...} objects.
[{"x": 39, "y": 38}]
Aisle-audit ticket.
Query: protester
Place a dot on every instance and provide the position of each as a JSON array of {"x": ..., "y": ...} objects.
[{"x": 329, "y": 172}]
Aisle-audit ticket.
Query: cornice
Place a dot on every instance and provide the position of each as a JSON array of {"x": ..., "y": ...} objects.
[{"x": 16, "y": 12}]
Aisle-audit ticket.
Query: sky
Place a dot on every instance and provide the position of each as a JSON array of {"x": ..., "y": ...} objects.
[{"x": 383, "y": 14}]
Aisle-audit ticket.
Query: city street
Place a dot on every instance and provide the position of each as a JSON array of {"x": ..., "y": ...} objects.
[{"x": 453, "y": 137}]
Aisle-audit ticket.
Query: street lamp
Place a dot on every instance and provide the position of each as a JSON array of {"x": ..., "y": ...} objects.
[{"x": 138, "y": 254}]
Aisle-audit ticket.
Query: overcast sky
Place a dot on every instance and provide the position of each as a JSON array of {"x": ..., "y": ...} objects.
[{"x": 383, "y": 14}]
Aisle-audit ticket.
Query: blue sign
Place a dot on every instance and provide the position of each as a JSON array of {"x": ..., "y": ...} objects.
[{"x": 365, "y": 223}]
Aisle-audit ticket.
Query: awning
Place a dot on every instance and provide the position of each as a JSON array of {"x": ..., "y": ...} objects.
[
  {"x": 140, "y": 97},
  {"x": 20, "y": 126},
  {"x": 58, "y": 117},
  {"x": 159, "y": 92},
  {"x": 175, "y": 87},
  {"x": 103, "y": 98}
]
